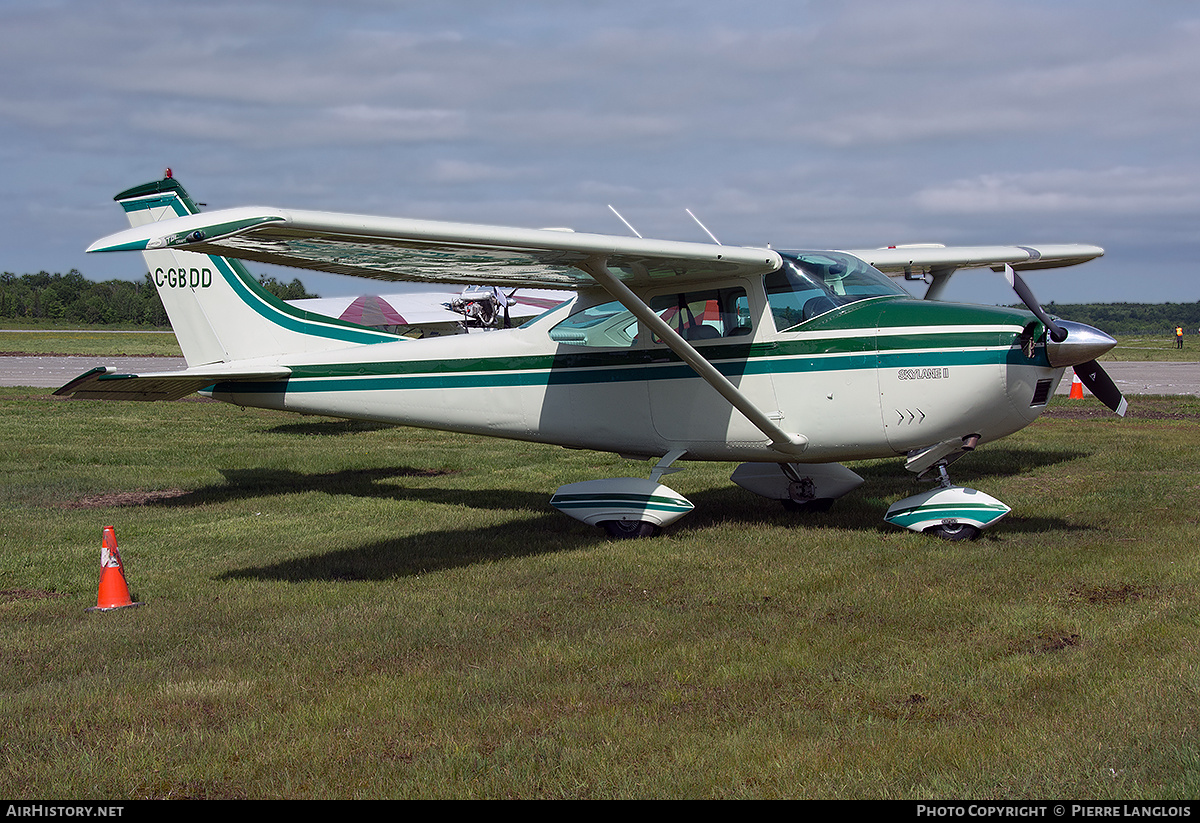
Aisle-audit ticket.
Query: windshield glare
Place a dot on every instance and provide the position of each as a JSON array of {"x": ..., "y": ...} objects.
[{"x": 810, "y": 284}]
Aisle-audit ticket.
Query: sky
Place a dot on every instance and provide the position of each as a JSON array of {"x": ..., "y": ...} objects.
[{"x": 797, "y": 124}]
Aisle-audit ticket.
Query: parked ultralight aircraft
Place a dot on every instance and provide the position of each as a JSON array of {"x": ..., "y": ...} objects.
[
  {"x": 428, "y": 313},
  {"x": 787, "y": 361}
]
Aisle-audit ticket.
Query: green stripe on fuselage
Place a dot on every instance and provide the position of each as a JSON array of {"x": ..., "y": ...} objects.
[
  {"x": 955, "y": 344},
  {"x": 281, "y": 314}
]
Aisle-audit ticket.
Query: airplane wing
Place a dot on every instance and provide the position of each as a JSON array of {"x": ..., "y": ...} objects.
[
  {"x": 438, "y": 252},
  {"x": 922, "y": 259},
  {"x": 102, "y": 384},
  {"x": 939, "y": 263},
  {"x": 397, "y": 249}
]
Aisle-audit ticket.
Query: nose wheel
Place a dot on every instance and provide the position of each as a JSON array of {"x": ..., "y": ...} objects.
[
  {"x": 949, "y": 512},
  {"x": 956, "y": 531},
  {"x": 626, "y": 529}
]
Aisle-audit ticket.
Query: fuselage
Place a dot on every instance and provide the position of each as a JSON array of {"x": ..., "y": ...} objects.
[{"x": 877, "y": 376}]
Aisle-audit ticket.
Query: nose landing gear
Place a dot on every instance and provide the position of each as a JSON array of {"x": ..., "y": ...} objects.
[{"x": 949, "y": 512}]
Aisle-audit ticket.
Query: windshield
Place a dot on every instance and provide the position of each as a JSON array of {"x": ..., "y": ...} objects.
[{"x": 809, "y": 284}]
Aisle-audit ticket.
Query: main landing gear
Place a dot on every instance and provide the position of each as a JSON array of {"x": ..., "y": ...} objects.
[
  {"x": 625, "y": 507},
  {"x": 800, "y": 487}
]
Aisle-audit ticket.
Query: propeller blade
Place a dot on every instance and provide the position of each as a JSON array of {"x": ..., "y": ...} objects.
[
  {"x": 1057, "y": 332},
  {"x": 1100, "y": 384}
]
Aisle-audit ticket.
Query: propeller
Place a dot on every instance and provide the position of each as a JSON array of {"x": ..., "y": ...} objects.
[{"x": 1088, "y": 341}]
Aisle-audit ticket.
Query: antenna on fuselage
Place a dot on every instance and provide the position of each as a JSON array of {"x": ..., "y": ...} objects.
[
  {"x": 623, "y": 220},
  {"x": 701, "y": 225}
]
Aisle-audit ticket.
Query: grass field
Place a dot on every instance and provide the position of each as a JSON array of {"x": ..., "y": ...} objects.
[
  {"x": 340, "y": 610},
  {"x": 1161, "y": 349},
  {"x": 106, "y": 343}
]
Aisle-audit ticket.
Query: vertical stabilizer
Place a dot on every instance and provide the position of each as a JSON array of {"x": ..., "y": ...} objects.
[{"x": 218, "y": 311}]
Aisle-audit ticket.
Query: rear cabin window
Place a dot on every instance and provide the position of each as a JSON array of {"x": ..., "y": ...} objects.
[{"x": 608, "y": 325}]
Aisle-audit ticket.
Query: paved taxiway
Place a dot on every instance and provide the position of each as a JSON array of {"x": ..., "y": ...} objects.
[{"x": 53, "y": 371}]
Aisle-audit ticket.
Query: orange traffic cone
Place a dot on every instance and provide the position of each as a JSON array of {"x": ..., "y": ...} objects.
[
  {"x": 1076, "y": 388},
  {"x": 114, "y": 592}
]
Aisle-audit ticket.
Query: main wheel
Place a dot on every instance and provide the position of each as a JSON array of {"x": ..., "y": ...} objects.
[
  {"x": 954, "y": 531},
  {"x": 622, "y": 529}
]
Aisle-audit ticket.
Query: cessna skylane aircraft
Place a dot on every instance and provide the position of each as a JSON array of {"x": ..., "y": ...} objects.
[{"x": 788, "y": 362}]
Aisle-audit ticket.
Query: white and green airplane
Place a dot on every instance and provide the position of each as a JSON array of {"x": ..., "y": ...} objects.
[{"x": 788, "y": 362}]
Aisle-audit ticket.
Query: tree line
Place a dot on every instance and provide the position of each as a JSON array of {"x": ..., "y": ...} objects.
[
  {"x": 73, "y": 298},
  {"x": 1132, "y": 318}
]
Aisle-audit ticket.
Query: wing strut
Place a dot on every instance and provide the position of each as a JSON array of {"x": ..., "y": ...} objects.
[
  {"x": 941, "y": 278},
  {"x": 780, "y": 440}
]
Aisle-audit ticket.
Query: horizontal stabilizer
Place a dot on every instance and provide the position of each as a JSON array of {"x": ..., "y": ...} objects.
[{"x": 102, "y": 384}]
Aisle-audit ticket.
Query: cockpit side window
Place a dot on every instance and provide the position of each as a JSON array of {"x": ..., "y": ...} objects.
[
  {"x": 810, "y": 284},
  {"x": 700, "y": 316}
]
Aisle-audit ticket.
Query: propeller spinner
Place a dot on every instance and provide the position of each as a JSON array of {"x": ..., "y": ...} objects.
[{"x": 1074, "y": 344}]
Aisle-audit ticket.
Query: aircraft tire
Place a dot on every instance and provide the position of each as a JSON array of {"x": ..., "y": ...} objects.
[
  {"x": 626, "y": 529},
  {"x": 958, "y": 531}
]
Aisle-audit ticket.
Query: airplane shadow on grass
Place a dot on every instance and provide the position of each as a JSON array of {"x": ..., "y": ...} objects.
[
  {"x": 429, "y": 552},
  {"x": 248, "y": 484},
  {"x": 882, "y": 479},
  {"x": 547, "y": 531}
]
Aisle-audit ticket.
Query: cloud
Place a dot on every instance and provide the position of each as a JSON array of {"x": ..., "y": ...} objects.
[
  {"x": 460, "y": 171},
  {"x": 1117, "y": 191},
  {"x": 857, "y": 123}
]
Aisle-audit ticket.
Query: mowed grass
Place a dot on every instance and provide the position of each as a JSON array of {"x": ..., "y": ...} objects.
[
  {"x": 101, "y": 343},
  {"x": 346, "y": 610},
  {"x": 1163, "y": 348}
]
